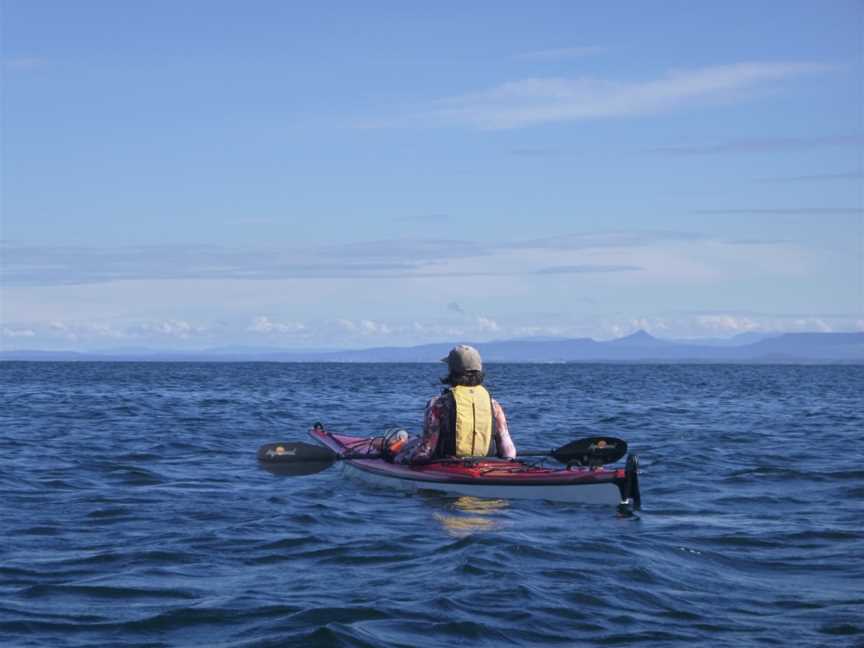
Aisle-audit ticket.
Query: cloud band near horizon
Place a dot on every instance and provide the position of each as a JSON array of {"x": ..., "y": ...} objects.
[{"x": 386, "y": 259}]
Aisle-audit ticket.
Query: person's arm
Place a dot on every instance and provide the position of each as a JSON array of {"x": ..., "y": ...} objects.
[
  {"x": 506, "y": 449},
  {"x": 422, "y": 451}
]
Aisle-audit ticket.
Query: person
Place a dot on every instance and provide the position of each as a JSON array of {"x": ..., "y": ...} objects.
[{"x": 464, "y": 421}]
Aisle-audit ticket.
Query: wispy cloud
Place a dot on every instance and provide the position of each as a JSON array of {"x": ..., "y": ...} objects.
[
  {"x": 591, "y": 252},
  {"x": 761, "y": 314},
  {"x": 528, "y": 102},
  {"x": 408, "y": 249},
  {"x": 455, "y": 307},
  {"x": 243, "y": 222},
  {"x": 425, "y": 218},
  {"x": 588, "y": 269},
  {"x": 790, "y": 211},
  {"x": 753, "y": 241},
  {"x": 23, "y": 63},
  {"x": 263, "y": 324},
  {"x": 766, "y": 145},
  {"x": 169, "y": 328},
  {"x": 726, "y": 323},
  {"x": 539, "y": 152},
  {"x": 34, "y": 265},
  {"x": 487, "y": 325},
  {"x": 16, "y": 332},
  {"x": 78, "y": 331},
  {"x": 816, "y": 177},
  {"x": 360, "y": 332},
  {"x": 614, "y": 239},
  {"x": 559, "y": 54},
  {"x": 364, "y": 327}
]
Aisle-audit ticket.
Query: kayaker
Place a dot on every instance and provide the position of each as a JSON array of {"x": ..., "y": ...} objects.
[{"x": 464, "y": 421}]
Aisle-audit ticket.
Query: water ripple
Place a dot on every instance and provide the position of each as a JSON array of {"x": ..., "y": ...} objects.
[{"x": 135, "y": 515}]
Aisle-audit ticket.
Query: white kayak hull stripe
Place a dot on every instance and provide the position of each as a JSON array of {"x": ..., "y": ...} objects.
[{"x": 604, "y": 493}]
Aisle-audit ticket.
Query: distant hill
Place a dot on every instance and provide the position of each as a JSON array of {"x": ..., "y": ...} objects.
[
  {"x": 641, "y": 340},
  {"x": 638, "y": 347},
  {"x": 811, "y": 346}
]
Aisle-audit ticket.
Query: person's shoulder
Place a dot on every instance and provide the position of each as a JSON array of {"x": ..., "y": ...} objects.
[{"x": 435, "y": 401}]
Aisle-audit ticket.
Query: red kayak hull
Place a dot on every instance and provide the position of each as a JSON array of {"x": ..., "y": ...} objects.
[{"x": 483, "y": 478}]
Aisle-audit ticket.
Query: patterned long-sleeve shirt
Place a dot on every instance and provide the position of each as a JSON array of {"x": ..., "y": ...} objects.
[{"x": 422, "y": 449}]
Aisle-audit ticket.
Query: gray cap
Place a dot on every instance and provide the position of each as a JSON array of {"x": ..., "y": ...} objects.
[{"x": 463, "y": 358}]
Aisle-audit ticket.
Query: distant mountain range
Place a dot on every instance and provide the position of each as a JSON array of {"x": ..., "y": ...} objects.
[{"x": 638, "y": 347}]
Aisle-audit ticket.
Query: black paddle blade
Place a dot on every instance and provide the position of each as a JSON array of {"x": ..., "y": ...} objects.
[
  {"x": 593, "y": 451},
  {"x": 294, "y": 452},
  {"x": 295, "y": 458}
]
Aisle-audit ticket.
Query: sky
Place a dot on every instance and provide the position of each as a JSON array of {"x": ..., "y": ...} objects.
[{"x": 339, "y": 175}]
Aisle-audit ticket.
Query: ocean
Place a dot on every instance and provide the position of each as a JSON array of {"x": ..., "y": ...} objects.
[{"x": 133, "y": 512}]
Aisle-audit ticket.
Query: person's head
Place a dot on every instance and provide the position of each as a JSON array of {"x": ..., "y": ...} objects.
[{"x": 465, "y": 367}]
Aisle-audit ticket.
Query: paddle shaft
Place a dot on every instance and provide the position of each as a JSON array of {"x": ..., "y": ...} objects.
[
  {"x": 528, "y": 453},
  {"x": 303, "y": 458}
]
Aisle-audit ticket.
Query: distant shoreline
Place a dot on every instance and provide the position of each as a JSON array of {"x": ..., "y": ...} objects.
[
  {"x": 638, "y": 348},
  {"x": 646, "y": 362}
]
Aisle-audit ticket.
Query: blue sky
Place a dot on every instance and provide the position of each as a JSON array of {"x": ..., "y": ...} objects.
[{"x": 197, "y": 174}]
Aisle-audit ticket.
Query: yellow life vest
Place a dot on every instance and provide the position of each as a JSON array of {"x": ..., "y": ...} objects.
[{"x": 472, "y": 421}]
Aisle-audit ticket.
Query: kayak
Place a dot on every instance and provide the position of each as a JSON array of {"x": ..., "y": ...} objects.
[{"x": 486, "y": 477}]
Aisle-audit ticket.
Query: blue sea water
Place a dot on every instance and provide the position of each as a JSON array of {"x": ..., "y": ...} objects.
[{"x": 133, "y": 512}]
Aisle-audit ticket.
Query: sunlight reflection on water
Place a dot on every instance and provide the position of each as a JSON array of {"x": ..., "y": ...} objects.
[{"x": 472, "y": 515}]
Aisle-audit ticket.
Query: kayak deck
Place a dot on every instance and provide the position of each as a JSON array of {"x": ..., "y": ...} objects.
[{"x": 491, "y": 477}]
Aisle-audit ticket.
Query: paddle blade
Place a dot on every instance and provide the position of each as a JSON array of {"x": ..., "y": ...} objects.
[
  {"x": 593, "y": 451},
  {"x": 295, "y": 458}
]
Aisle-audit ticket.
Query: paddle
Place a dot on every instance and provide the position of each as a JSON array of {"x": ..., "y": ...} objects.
[
  {"x": 298, "y": 458},
  {"x": 591, "y": 451}
]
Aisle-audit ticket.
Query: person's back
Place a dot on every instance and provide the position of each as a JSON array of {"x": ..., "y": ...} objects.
[{"x": 464, "y": 421}]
